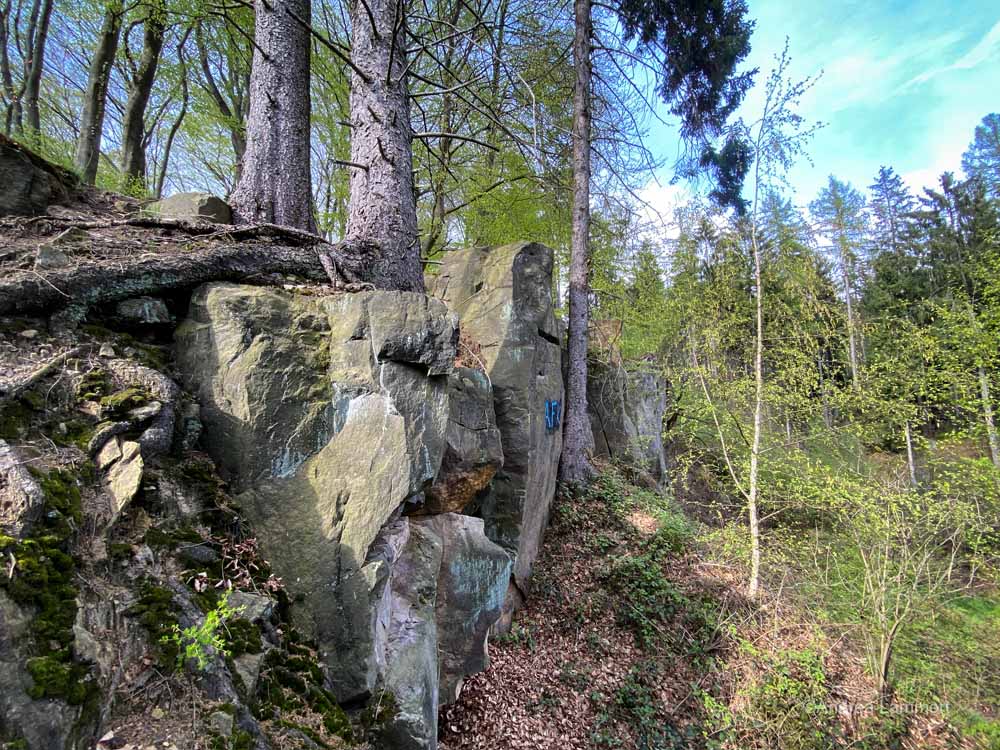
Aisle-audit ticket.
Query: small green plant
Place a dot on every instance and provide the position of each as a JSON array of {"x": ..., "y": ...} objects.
[{"x": 198, "y": 642}]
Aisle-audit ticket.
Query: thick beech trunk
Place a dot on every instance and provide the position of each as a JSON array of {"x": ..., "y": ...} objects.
[
  {"x": 578, "y": 439},
  {"x": 88, "y": 146},
  {"x": 275, "y": 184},
  {"x": 382, "y": 214},
  {"x": 140, "y": 88}
]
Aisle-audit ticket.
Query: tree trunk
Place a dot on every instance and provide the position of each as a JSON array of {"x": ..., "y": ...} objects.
[
  {"x": 578, "y": 440},
  {"x": 88, "y": 146},
  {"x": 140, "y": 88},
  {"x": 275, "y": 183},
  {"x": 911, "y": 463},
  {"x": 33, "y": 75},
  {"x": 161, "y": 177},
  {"x": 758, "y": 421},
  {"x": 991, "y": 428},
  {"x": 234, "y": 114},
  {"x": 382, "y": 214},
  {"x": 6, "y": 77},
  {"x": 852, "y": 344}
]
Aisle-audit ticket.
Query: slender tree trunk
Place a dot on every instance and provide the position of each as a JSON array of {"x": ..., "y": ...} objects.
[
  {"x": 991, "y": 428},
  {"x": 578, "y": 439},
  {"x": 6, "y": 77},
  {"x": 88, "y": 146},
  {"x": 275, "y": 183},
  {"x": 234, "y": 114},
  {"x": 753, "y": 588},
  {"x": 382, "y": 213},
  {"x": 911, "y": 463},
  {"x": 33, "y": 79},
  {"x": 852, "y": 344},
  {"x": 161, "y": 177},
  {"x": 140, "y": 88}
]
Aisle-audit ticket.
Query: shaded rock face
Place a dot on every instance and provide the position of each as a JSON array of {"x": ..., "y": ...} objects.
[
  {"x": 193, "y": 207},
  {"x": 28, "y": 184},
  {"x": 503, "y": 298},
  {"x": 473, "y": 450},
  {"x": 626, "y": 415},
  {"x": 445, "y": 591}
]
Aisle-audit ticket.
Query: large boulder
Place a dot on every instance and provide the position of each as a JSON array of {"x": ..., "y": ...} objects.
[
  {"x": 328, "y": 416},
  {"x": 626, "y": 405},
  {"x": 473, "y": 450},
  {"x": 445, "y": 588},
  {"x": 193, "y": 207},
  {"x": 28, "y": 183},
  {"x": 503, "y": 297}
]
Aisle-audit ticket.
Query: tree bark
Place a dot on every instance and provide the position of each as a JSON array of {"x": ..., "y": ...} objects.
[
  {"x": 382, "y": 212},
  {"x": 578, "y": 440},
  {"x": 33, "y": 75},
  {"x": 275, "y": 184},
  {"x": 88, "y": 145},
  {"x": 140, "y": 88}
]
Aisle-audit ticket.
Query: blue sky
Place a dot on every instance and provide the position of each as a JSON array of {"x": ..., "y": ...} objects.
[{"x": 904, "y": 84}]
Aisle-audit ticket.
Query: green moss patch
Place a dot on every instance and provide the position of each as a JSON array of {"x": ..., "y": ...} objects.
[{"x": 44, "y": 581}]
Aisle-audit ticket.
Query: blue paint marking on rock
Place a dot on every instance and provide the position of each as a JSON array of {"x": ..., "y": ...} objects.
[{"x": 553, "y": 415}]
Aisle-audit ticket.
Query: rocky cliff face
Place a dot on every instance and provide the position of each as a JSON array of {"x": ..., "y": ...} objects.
[
  {"x": 627, "y": 405},
  {"x": 503, "y": 299},
  {"x": 353, "y": 443}
]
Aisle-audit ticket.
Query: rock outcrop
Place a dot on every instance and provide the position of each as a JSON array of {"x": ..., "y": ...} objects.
[
  {"x": 335, "y": 418},
  {"x": 503, "y": 298},
  {"x": 473, "y": 450},
  {"x": 626, "y": 405},
  {"x": 28, "y": 183}
]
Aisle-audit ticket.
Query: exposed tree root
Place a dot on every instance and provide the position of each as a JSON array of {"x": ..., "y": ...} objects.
[{"x": 99, "y": 282}]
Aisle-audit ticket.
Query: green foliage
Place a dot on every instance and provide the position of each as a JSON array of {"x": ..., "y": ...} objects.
[
  {"x": 201, "y": 642},
  {"x": 785, "y": 705}
]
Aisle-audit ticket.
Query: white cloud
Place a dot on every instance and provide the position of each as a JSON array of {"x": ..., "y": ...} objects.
[{"x": 984, "y": 51}]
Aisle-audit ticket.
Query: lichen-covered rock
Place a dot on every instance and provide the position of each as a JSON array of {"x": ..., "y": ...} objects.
[
  {"x": 21, "y": 498},
  {"x": 626, "y": 406},
  {"x": 409, "y": 652},
  {"x": 503, "y": 298},
  {"x": 328, "y": 415},
  {"x": 125, "y": 475},
  {"x": 473, "y": 453},
  {"x": 193, "y": 207}
]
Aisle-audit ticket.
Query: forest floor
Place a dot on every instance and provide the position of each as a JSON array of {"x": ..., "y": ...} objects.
[{"x": 636, "y": 635}]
